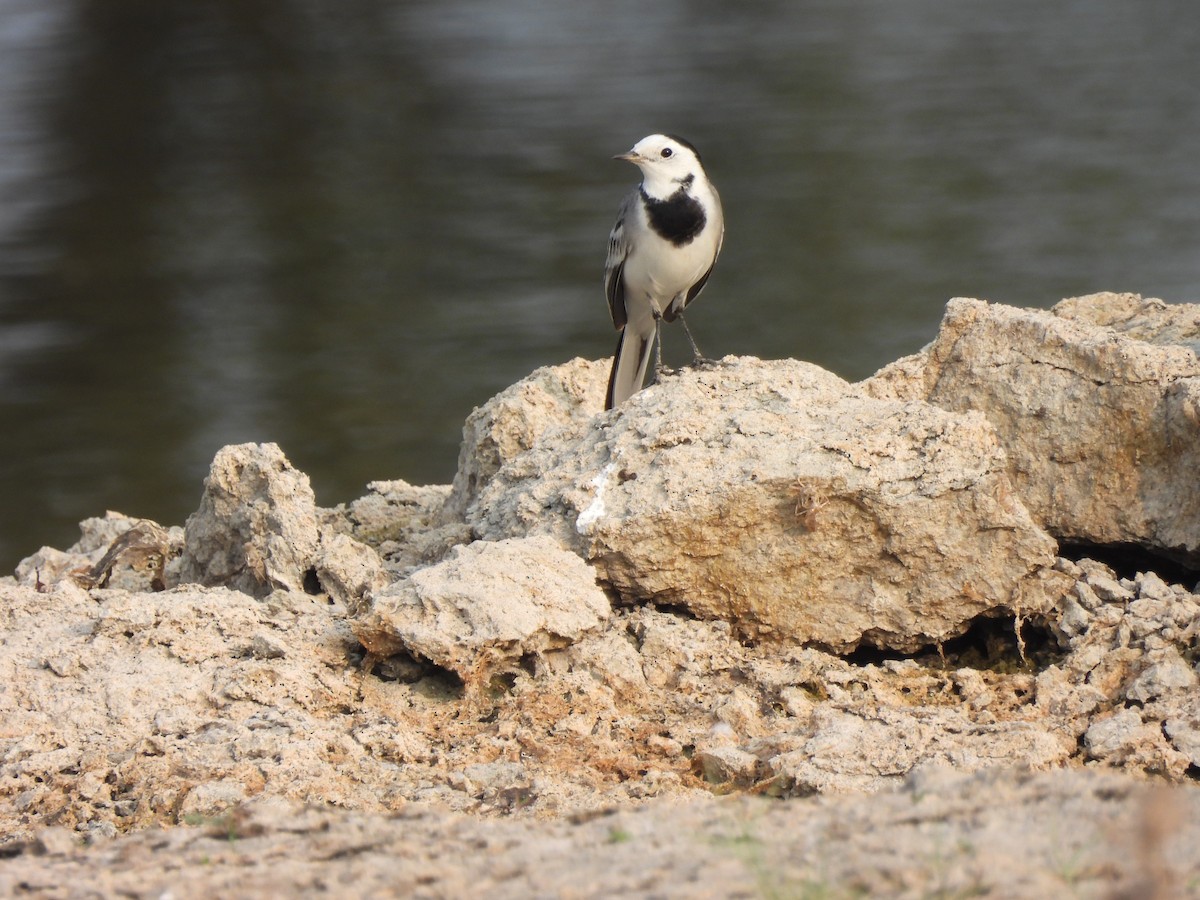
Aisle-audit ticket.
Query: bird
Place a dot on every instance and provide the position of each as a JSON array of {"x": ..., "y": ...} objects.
[{"x": 661, "y": 250}]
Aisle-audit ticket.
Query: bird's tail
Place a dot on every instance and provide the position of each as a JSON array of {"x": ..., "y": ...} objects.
[{"x": 629, "y": 363}]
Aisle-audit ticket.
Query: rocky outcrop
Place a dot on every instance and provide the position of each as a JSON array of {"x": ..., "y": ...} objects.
[
  {"x": 256, "y": 529},
  {"x": 488, "y": 608},
  {"x": 1096, "y": 403},
  {"x": 779, "y": 498}
]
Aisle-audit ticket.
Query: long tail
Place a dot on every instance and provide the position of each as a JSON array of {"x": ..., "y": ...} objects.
[{"x": 630, "y": 361}]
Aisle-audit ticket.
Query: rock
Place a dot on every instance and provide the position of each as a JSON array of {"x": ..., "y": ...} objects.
[
  {"x": 56, "y": 841},
  {"x": 348, "y": 570},
  {"x": 1148, "y": 320},
  {"x": 136, "y": 560},
  {"x": 486, "y": 607},
  {"x": 1117, "y": 736},
  {"x": 124, "y": 707},
  {"x": 402, "y": 522},
  {"x": 113, "y": 550},
  {"x": 1182, "y": 727},
  {"x": 775, "y": 496},
  {"x": 857, "y": 751},
  {"x": 256, "y": 528},
  {"x": 724, "y": 765},
  {"x": 999, "y": 833},
  {"x": 551, "y": 398},
  {"x": 505, "y": 784},
  {"x": 1097, "y": 404},
  {"x": 389, "y": 511},
  {"x": 210, "y": 799},
  {"x": 1168, "y": 672},
  {"x": 48, "y": 566}
]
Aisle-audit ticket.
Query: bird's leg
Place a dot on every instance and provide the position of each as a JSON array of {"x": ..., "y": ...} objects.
[
  {"x": 699, "y": 360},
  {"x": 659, "y": 369}
]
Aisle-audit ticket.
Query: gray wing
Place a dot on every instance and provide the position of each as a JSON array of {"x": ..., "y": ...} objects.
[{"x": 614, "y": 265}]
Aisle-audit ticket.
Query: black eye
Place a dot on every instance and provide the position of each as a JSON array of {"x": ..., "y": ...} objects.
[{"x": 667, "y": 153}]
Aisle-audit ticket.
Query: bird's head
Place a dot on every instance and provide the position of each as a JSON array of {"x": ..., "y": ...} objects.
[{"x": 666, "y": 162}]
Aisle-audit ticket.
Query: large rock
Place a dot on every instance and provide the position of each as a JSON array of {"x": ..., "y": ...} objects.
[
  {"x": 549, "y": 399},
  {"x": 1097, "y": 404},
  {"x": 487, "y": 606},
  {"x": 775, "y": 496},
  {"x": 256, "y": 529}
]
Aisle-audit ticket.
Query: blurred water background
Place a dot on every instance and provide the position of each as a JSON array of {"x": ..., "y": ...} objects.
[{"x": 342, "y": 226}]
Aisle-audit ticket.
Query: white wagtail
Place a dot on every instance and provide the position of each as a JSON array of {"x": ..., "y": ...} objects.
[{"x": 660, "y": 254}]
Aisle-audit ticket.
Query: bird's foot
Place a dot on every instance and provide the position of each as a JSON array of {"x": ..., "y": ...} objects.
[
  {"x": 703, "y": 362},
  {"x": 661, "y": 372}
]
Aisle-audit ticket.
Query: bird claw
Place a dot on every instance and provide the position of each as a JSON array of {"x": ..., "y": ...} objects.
[{"x": 703, "y": 362}]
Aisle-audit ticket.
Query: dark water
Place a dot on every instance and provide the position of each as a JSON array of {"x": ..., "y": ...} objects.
[{"x": 340, "y": 227}]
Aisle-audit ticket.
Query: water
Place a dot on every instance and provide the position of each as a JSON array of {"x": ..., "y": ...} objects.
[{"x": 342, "y": 228}]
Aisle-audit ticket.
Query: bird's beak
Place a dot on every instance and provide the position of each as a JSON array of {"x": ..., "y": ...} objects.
[{"x": 629, "y": 157}]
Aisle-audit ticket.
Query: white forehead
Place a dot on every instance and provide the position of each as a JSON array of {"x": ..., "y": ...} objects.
[{"x": 653, "y": 145}]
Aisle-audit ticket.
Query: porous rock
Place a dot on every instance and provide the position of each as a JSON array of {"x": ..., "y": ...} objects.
[
  {"x": 775, "y": 496},
  {"x": 113, "y": 550},
  {"x": 843, "y": 751},
  {"x": 348, "y": 570},
  {"x": 942, "y": 833},
  {"x": 256, "y": 529},
  {"x": 390, "y": 511},
  {"x": 486, "y": 606},
  {"x": 550, "y": 398},
  {"x": 1096, "y": 402},
  {"x": 401, "y": 521}
]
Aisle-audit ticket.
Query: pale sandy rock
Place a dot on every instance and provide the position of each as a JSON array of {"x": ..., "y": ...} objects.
[
  {"x": 772, "y": 495},
  {"x": 127, "y": 709},
  {"x": 1149, "y": 320},
  {"x": 549, "y": 399},
  {"x": 127, "y": 704},
  {"x": 256, "y": 529},
  {"x": 210, "y": 799},
  {"x": 722, "y": 765},
  {"x": 389, "y": 511},
  {"x": 611, "y": 657},
  {"x": 348, "y": 570},
  {"x": 401, "y": 521},
  {"x": 113, "y": 550},
  {"x": 1133, "y": 646},
  {"x": 843, "y": 750},
  {"x": 49, "y": 566},
  {"x": 1182, "y": 727},
  {"x": 1167, "y": 672},
  {"x": 1097, "y": 404},
  {"x": 998, "y": 833},
  {"x": 486, "y": 607},
  {"x": 1117, "y": 737}
]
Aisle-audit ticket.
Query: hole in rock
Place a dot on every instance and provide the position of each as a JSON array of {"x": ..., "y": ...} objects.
[
  {"x": 312, "y": 584},
  {"x": 988, "y": 643},
  {"x": 427, "y": 678},
  {"x": 678, "y": 610},
  {"x": 1128, "y": 559},
  {"x": 1192, "y": 772},
  {"x": 502, "y": 683},
  {"x": 441, "y": 685}
]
